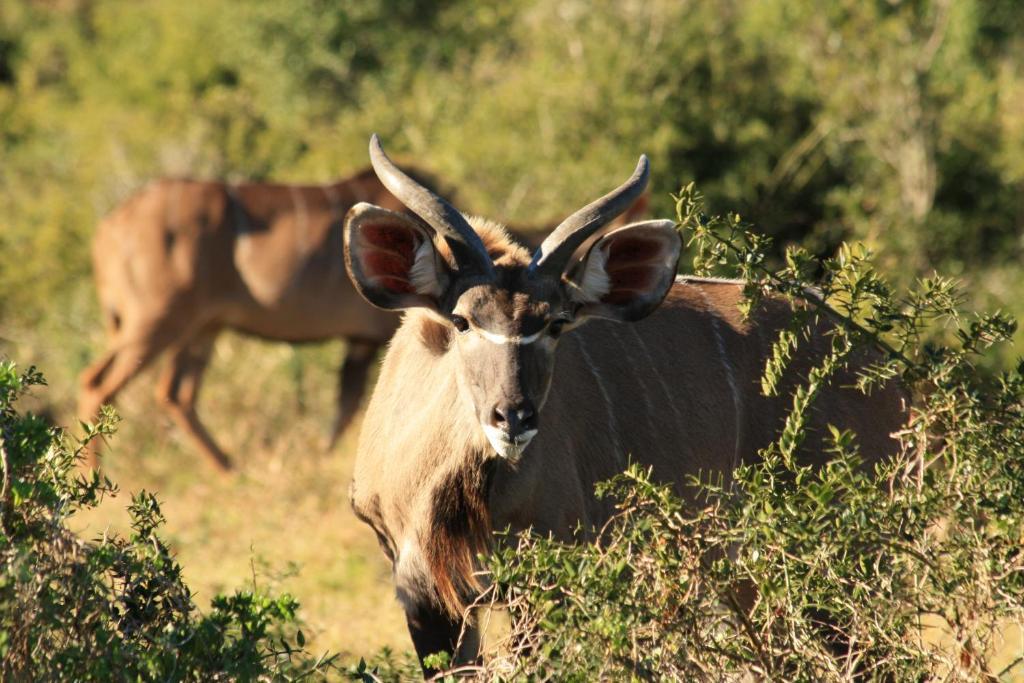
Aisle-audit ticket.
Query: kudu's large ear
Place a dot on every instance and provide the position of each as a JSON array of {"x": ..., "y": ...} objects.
[
  {"x": 392, "y": 260},
  {"x": 627, "y": 273}
]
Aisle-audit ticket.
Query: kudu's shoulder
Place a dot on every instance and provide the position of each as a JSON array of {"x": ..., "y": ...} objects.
[
  {"x": 717, "y": 297},
  {"x": 722, "y": 299}
]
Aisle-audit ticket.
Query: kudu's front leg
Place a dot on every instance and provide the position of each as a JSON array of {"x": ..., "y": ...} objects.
[{"x": 433, "y": 631}]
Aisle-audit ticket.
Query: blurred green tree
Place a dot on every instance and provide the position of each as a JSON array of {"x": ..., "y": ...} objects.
[{"x": 898, "y": 124}]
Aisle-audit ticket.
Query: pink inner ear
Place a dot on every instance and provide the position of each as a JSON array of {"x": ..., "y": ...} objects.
[
  {"x": 633, "y": 250},
  {"x": 627, "y": 281},
  {"x": 387, "y": 253},
  {"x": 383, "y": 265},
  {"x": 634, "y": 268},
  {"x": 396, "y": 285},
  {"x": 389, "y": 237}
]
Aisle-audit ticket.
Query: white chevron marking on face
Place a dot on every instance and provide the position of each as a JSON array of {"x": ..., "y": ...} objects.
[{"x": 495, "y": 338}]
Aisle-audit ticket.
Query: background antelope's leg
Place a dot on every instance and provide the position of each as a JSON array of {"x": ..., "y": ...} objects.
[
  {"x": 101, "y": 381},
  {"x": 433, "y": 631},
  {"x": 359, "y": 357},
  {"x": 89, "y": 382},
  {"x": 89, "y": 400},
  {"x": 178, "y": 390}
]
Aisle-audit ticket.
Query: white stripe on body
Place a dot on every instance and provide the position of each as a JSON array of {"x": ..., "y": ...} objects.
[
  {"x": 612, "y": 423},
  {"x": 730, "y": 374},
  {"x": 656, "y": 373},
  {"x": 639, "y": 378},
  {"x": 333, "y": 201}
]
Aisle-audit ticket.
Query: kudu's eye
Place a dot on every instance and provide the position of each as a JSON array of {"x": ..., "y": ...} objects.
[{"x": 460, "y": 323}]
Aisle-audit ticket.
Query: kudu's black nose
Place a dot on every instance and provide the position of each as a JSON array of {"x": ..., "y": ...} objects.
[{"x": 514, "y": 419}]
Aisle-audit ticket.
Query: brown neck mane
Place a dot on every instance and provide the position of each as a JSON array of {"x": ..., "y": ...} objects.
[{"x": 460, "y": 529}]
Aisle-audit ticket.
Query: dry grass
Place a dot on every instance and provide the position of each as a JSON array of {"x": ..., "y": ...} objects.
[{"x": 283, "y": 520}]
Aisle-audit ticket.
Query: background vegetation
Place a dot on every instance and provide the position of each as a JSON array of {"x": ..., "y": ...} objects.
[{"x": 897, "y": 124}]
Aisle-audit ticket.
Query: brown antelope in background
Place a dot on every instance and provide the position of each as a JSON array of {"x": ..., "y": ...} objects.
[
  {"x": 514, "y": 384},
  {"x": 182, "y": 260}
]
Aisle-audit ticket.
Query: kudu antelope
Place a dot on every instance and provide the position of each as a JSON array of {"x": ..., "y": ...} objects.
[
  {"x": 182, "y": 260},
  {"x": 515, "y": 383}
]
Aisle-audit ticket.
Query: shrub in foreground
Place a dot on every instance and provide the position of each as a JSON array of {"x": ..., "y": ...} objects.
[{"x": 115, "y": 608}]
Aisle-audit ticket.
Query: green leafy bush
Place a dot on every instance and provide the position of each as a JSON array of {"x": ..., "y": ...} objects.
[
  {"x": 908, "y": 570},
  {"x": 116, "y": 608},
  {"x": 896, "y": 123}
]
